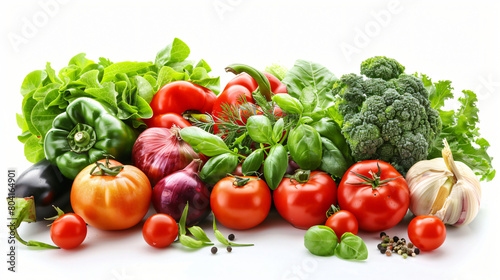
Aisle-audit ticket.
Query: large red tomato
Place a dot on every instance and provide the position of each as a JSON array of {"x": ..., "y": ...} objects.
[
  {"x": 375, "y": 193},
  {"x": 241, "y": 202},
  {"x": 304, "y": 203}
]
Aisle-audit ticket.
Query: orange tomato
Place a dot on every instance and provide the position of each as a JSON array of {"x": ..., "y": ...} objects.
[{"x": 111, "y": 202}]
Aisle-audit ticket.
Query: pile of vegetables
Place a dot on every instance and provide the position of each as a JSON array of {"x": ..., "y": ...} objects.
[{"x": 334, "y": 155}]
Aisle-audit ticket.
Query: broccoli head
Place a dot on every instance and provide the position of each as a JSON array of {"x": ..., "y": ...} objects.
[{"x": 386, "y": 114}]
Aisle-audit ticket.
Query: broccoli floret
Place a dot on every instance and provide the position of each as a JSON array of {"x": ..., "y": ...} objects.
[
  {"x": 381, "y": 67},
  {"x": 386, "y": 115}
]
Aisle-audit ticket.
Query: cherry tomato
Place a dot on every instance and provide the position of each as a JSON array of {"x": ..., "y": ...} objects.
[
  {"x": 111, "y": 202},
  {"x": 160, "y": 230},
  {"x": 305, "y": 204},
  {"x": 427, "y": 232},
  {"x": 380, "y": 200},
  {"x": 341, "y": 222},
  {"x": 68, "y": 231},
  {"x": 240, "y": 203}
]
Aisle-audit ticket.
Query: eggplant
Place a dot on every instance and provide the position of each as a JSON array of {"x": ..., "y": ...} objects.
[{"x": 47, "y": 185}]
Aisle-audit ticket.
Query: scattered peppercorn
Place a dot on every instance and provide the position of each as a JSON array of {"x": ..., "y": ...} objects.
[
  {"x": 386, "y": 239},
  {"x": 229, "y": 249},
  {"x": 395, "y": 238},
  {"x": 410, "y": 245},
  {"x": 405, "y": 256},
  {"x": 383, "y": 250},
  {"x": 382, "y": 234},
  {"x": 379, "y": 246},
  {"x": 388, "y": 253},
  {"x": 417, "y": 251},
  {"x": 214, "y": 250},
  {"x": 230, "y": 237},
  {"x": 396, "y": 245}
]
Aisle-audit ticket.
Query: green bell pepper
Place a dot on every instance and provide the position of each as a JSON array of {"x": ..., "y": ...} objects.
[{"x": 84, "y": 134}]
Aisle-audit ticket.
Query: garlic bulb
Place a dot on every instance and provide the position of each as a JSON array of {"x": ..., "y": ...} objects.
[{"x": 444, "y": 188}]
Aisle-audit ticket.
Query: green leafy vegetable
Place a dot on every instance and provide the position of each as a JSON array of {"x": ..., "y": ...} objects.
[
  {"x": 275, "y": 165},
  {"x": 351, "y": 247},
  {"x": 253, "y": 162},
  {"x": 217, "y": 167},
  {"x": 460, "y": 128},
  {"x": 321, "y": 241},
  {"x": 260, "y": 129},
  {"x": 204, "y": 142},
  {"x": 125, "y": 87}
]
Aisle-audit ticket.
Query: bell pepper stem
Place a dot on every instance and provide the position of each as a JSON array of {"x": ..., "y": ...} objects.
[{"x": 259, "y": 77}]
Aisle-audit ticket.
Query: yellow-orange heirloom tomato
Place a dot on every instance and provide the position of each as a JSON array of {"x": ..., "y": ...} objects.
[{"x": 111, "y": 202}]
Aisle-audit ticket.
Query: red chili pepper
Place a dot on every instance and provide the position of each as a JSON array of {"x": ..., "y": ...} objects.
[
  {"x": 175, "y": 98},
  {"x": 242, "y": 86}
]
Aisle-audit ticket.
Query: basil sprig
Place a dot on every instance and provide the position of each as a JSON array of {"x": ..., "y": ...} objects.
[
  {"x": 322, "y": 241},
  {"x": 201, "y": 240}
]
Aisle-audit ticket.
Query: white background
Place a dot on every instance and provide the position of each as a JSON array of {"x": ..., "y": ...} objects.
[{"x": 455, "y": 40}]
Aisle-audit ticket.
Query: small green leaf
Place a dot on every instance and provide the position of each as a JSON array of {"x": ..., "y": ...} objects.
[
  {"x": 218, "y": 167},
  {"x": 260, "y": 129},
  {"x": 198, "y": 232},
  {"x": 278, "y": 130},
  {"x": 253, "y": 162},
  {"x": 288, "y": 103},
  {"x": 275, "y": 166},
  {"x": 321, "y": 240},
  {"x": 351, "y": 247},
  {"x": 204, "y": 142},
  {"x": 177, "y": 51},
  {"x": 32, "y": 81}
]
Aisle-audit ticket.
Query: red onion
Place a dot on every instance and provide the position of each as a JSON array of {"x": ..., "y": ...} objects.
[
  {"x": 172, "y": 192},
  {"x": 160, "y": 151}
]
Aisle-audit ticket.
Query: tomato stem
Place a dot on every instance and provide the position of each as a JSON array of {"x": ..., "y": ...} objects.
[
  {"x": 374, "y": 181},
  {"x": 301, "y": 176},
  {"x": 106, "y": 169}
]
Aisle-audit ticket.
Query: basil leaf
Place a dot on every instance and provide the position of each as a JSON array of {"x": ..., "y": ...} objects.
[
  {"x": 177, "y": 51},
  {"x": 305, "y": 147},
  {"x": 217, "y": 167},
  {"x": 275, "y": 166},
  {"x": 332, "y": 160},
  {"x": 309, "y": 99},
  {"x": 351, "y": 247},
  {"x": 278, "y": 130},
  {"x": 310, "y": 74},
  {"x": 321, "y": 241},
  {"x": 204, "y": 142},
  {"x": 288, "y": 103},
  {"x": 330, "y": 129},
  {"x": 253, "y": 162},
  {"x": 182, "y": 220},
  {"x": 260, "y": 129},
  {"x": 199, "y": 234}
]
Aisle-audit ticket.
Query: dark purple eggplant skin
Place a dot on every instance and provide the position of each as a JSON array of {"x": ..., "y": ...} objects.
[{"x": 48, "y": 186}]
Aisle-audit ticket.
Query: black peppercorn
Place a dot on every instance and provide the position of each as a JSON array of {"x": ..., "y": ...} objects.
[
  {"x": 395, "y": 238},
  {"x": 416, "y": 251},
  {"x": 229, "y": 249},
  {"x": 379, "y": 246},
  {"x": 230, "y": 237},
  {"x": 383, "y": 250},
  {"x": 382, "y": 234},
  {"x": 214, "y": 250}
]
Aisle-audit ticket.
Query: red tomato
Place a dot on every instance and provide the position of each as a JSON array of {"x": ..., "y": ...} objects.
[
  {"x": 341, "y": 222},
  {"x": 168, "y": 120},
  {"x": 160, "y": 230},
  {"x": 240, "y": 203},
  {"x": 68, "y": 231},
  {"x": 427, "y": 232},
  {"x": 379, "y": 203},
  {"x": 305, "y": 204}
]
